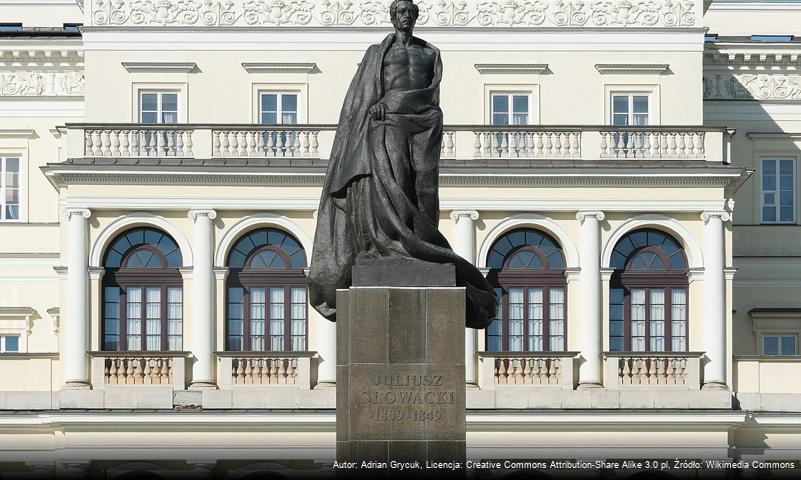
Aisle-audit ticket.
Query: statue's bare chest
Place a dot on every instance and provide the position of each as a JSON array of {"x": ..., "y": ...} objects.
[{"x": 409, "y": 67}]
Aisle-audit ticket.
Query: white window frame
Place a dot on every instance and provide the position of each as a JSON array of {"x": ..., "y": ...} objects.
[
  {"x": 20, "y": 178},
  {"x": 651, "y": 90},
  {"x": 3, "y": 343},
  {"x": 761, "y": 193},
  {"x": 530, "y": 89},
  {"x": 779, "y": 336},
  {"x": 301, "y": 89},
  {"x": 167, "y": 87},
  {"x": 770, "y": 322},
  {"x": 279, "y": 104},
  {"x": 159, "y": 102},
  {"x": 18, "y": 322},
  {"x": 509, "y": 94},
  {"x": 630, "y": 95}
]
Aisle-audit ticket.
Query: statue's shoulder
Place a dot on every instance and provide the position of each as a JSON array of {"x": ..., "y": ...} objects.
[{"x": 425, "y": 45}]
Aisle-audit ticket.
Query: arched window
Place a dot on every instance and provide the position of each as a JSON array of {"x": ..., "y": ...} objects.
[
  {"x": 266, "y": 293},
  {"x": 648, "y": 294},
  {"x": 527, "y": 268},
  {"x": 142, "y": 292}
]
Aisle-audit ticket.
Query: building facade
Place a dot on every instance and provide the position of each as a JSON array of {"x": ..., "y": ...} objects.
[{"x": 625, "y": 174}]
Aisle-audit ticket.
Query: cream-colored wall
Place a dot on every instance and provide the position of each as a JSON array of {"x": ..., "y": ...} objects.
[
  {"x": 571, "y": 80},
  {"x": 746, "y": 19},
  {"x": 37, "y": 13}
]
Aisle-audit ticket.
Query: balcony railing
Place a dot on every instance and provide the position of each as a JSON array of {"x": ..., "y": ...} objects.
[
  {"x": 506, "y": 144},
  {"x": 653, "y": 369},
  {"x": 541, "y": 369},
  {"x": 265, "y": 369},
  {"x": 139, "y": 369}
]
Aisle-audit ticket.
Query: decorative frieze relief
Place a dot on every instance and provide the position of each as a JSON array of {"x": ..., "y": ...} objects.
[
  {"x": 433, "y": 13},
  {"x": 40, "y": 83},
  {"x": 752, "y": 86}
]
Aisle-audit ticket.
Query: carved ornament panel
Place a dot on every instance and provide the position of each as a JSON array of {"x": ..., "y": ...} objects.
[
  {"x": 752, "y": 86},
  {"x": 41, "y": 83},
  {"x": 360, "y": 13}
]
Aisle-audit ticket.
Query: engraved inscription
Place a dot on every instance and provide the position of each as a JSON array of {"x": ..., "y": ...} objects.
[{"x": 393, "y": 400}]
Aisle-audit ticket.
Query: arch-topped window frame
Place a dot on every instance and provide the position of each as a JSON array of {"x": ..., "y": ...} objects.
[
  {"x": 673, "y": 283},
  {"x": 246, "y": 279},
  {"x": 121, "y": 282},
  {"x": 548, "y": 284}
]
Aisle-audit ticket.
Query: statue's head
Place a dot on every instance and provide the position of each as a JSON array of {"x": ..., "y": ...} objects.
[{"x": 403, "y": 14}]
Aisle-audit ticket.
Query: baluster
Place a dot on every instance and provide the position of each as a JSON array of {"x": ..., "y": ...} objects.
[
  {"x": 536, "y": 370},
  {"x": 169, "y": 149},
  {"x": 291, "y": 370},
  {"x": 519, "y": 376},
  {"x": 109, "y": 371},
  {"x": 664, "y": 144},
  {"x": 450, "y": 149},
  {"x": 280, "y": 147},
  {"x": 645, "y": 140},
  {"x": 215, "y": 144},
  {"x": 683, "y": 368},
  {"x": 527, "y": 370},
  {"x": 575, "y": 144},
  {"x": 270, "y": 145},
  {"x": 248, "y": 371},
  {"x": 188, "y": 144},
  {"x": 148, "y": 371},
  {"x": 653, "y": 145},
  {"x": 240, "y": 138},
  {"x": 546, "y": 145},
  {"x": 502, "y": 376},
  {"x": 295, "y": 144},
  {"x": 305, "y": 144},
  {"x": 139, "y": 373},
  {"x": 511, "y": 371},
  {"x": 495, "y": 370},
  {"x": 260, "y": 143},
  {"x": 630, "y": 139},
  {"x": 123, "y": 143},
  {"x": 255, "y": 373},
  {"x": 504, "y": 145},
  {"x": 314, "y": 145},
  {"x": 489, "y": 144},
  {"x": 565, "y": 144},
  {"x": 627, "y": 371},
  {"x": 179, "y": 143},
  {"x": 670, "y": 371},
  {"x": 699, "y": 145},
  {"x": 555, "y": 371},
  {"x": 281, "y": 370},
  {"x": 224, "y": 144},
  {"x": 671, "y": 146},
  {"x": 604, "y": 144},
  {"x": 239, "y": 375},
  {"x": 477, "y": 145},
  {"x": 87, "y": 143},
  {"x": 114, "y": 139},
  {"x": 134, "y": 144},
  {"x": 273, "y": 370},
  {"x": 538, "y": 145},
  {"x": 529, "y": 138},
  {"x": 250, "y": 144},
  {"x": 152, "y": 149},
  {"x": 106, "y": 147},
  {"x": 128, "y": 369},
  {"x": 680, "y": 145}
]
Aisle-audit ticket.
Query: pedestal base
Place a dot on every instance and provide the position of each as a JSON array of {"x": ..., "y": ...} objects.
[{"x": 400, "y": 372}]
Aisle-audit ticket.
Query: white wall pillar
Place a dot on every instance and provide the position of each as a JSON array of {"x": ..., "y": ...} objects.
[
  {"x": 590, "y": 288},
  {"x": 203, "y": 299},
  {"x": 325, "y": 334},
  {"x": 465, "y": 246},
  {"x": 714, "y": 299},
  {"x": 76, "y": 325}
]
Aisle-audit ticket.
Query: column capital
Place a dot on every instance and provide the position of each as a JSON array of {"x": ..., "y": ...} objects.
[
  {"x": 583, "y": 214},
  {"x": 456, "y": 215},
  {"x": 207, "y": 212},
  {"x": 707, "y": 215},
  {"x": 70, "y": 211}
]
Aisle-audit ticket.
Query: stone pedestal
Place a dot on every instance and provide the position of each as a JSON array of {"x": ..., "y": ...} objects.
[{"x": 400, "y": 364}]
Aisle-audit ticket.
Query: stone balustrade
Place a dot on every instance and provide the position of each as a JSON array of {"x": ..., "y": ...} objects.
[
  {"x": 139, "y": 368},
  {"x": 653, "y": 369},
  {"x": 502, "y": 145},
  {"x": 645, "y": 144},
  {"x": 546, "y": 369},
  {"x": 265, "y": 369},
  {"x": 138, "y": 141}
]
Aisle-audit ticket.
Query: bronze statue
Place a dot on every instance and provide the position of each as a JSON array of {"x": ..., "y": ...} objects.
[{"x": 380, "y": 197}]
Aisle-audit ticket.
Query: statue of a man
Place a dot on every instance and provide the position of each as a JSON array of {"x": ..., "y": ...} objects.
[{"x": 380, "y": 197}]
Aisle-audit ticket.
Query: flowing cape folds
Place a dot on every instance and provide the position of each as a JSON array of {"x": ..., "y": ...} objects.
[{"x": 380, "y": 196}]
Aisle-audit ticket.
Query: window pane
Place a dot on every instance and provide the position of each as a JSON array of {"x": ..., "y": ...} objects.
[
  {"x": 289, "y": 103},
  {"x": 640, "y": 104},
  {"x": 169, "y": 102},
  {"x": 12, "y": 343},
  {"x": 149, "y": 102},
  {"x": 770, "y": 345},
  {"x": 786, "y": 167},
  {"x": 620, "y": 104},
  {"x": 269, "y": 102},
  {"x": 149, "y": 117},
  {"x": 520, "y": 104},
  {"x": 788, "y": 345},
  {"x": 500, "y": 119},
  {"x": 620, "y": 119},
  {"x": 500, "y": 104}
]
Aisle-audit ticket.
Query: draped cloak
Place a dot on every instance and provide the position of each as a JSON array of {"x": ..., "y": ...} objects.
[{"x": 380, "y": 196}]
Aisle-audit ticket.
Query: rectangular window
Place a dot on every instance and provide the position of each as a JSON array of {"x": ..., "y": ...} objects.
[
  {"x": 778, "y": 190},
  {"x": 158, "y": 107},
  {"x": 278, "y": 108},
  {"x": 175, "y": 314},
  {"x": 134, "y": 316},
  {"x": 557, "y": 319},
  {"x": 495, "y": 329},
  {"x": 535, "y": 333},
  {"x": 779, "y": 345},
  {"x": 616, "y": 327},
  {"x": 9, "y": 343},
  {"x": 236, "y": 319},
  {"x": 629, "y": 109},
  {"x": 637, "y": 320},
  {"x": 509, "y": 108},
  {"x": 9, "y": 188},
  {"x": 678, "y": 326},
  {"x": 298, "y": 325},
  {"x": 111, "y": 319},
  {"x": 277, "y": 319},
  {"x": 515, "y": 319}
]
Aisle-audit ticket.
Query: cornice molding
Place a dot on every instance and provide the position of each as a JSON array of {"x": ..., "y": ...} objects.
[
  {"x": 631, "y": 68},
  {"x": 25, "y": 133},
  {"x": 279, "y": 67},
  {"x": 159, "y": 67},
  {"x": 17, "y": 312},
  {"x": 515, "y": 68}
]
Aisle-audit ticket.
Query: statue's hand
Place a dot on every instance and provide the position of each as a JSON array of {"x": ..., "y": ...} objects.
[{"x": 378, "y": 111}]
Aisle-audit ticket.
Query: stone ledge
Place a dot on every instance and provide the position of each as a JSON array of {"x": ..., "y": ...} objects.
[
  {"x": 550, "y": 398},
  {"x": 770, "y": 402}
]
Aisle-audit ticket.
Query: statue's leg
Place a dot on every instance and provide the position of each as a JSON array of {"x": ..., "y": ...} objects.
[{"x": 426, "y": 147}]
